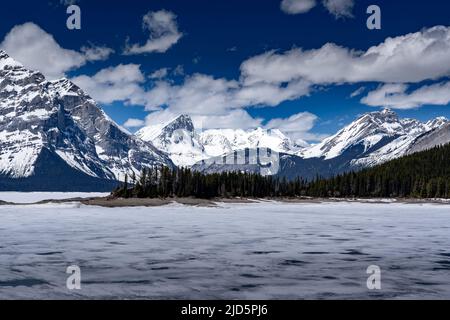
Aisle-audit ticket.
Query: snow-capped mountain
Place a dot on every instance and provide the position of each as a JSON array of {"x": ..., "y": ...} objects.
[
  {"x": 371, "y": 139},
  {"x": 404, "y": 144},
  {"x": 53, "y": 130},
  {"x": 186, "y": 146},
  {"x": 177, "y": 138},
  {"x": 439, "y": 135},
  {"x": 371, "y": 131}
]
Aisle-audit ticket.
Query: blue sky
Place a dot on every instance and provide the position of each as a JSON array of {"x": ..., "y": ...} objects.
[{"x": 199, "y": 50}]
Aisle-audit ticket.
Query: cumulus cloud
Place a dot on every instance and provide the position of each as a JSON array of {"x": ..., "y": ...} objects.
[
  {"x": 38, "y": 50},
  {"x": 397, "y": 96},
  {"x": 134, "y": 123},
  {"x": 297, "y": 6},
  {"x": 233, "y": 119},
  {"x": 120, "y": 83},
  {"x": 297, "y": 126},
  {"x": 410, "y": 58},
  {"x": 217, "y": 102},
  {"x": 164, "y": 33},
  {"x": 272, "y": 78},
  {"x": 339, "y": 8},
  {"x": 204, "y": 94}
]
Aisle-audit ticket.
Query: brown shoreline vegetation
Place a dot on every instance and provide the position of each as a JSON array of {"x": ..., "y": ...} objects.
[{"x": 113, "y": 202}]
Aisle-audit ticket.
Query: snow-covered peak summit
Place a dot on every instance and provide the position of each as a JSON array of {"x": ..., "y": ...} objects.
[
  {"x": 183, "y": 122},
  {"x": 58, "y": 119},
  {"x": 436, "y": 123},
  {"x": 177, "y": 138},
  {"x": 6, "y": 60},
  {"x": 368, "y": 130},
  {"x": 152, "y": 132},
  {"x": 186, "y": 146}
]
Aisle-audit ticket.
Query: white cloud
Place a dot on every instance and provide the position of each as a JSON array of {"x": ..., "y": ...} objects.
[
  {"x": 203, "y": 94},
  {"x": 38, "y": 50},
  {"x": 233, "y": 119},
  {"x": 219, "y": 103},
  {"x": 96, "y": 53},
  {"x": 397, "y": 96},
  {"x": 120, "y": 83},
  {"x": 339, "y": 8},
  {"x": 411, "y": 58},
  {"x": 264, "y": 94},
  {"x": 199, "y": 94},
  {"x": 159, "y": 74},
  {"x": 134, "y": 123},
  {"x": 271, "y": 78},
  {"x": 297, "y": 6},
  {"x": 358, "y": 92},
  {"x": 163, "y": 30},
  {"x": 296, "y": 126}
]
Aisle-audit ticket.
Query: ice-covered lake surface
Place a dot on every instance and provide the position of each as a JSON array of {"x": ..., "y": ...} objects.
[{"x": 234, "y": 251}]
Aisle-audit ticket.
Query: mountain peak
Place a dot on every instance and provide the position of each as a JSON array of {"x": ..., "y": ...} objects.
[
  {"x": 437, "y": 122},
  {"x": 3, "y": 55},
  {"x": 6, "y": 60},
  {"x": 181, "y": 122},
  {"x": 387, "y": 111},
  {"x": 368, "y": 131},
  {"x": 57, "y": 116},
  {"x": 385, "y": 114}
]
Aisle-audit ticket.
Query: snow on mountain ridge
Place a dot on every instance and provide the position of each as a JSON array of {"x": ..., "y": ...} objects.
[
  {"x": 36, "y": 114},
  {"x": 377, "y": 136},
  {"x": 368, "y": 130},
  {"x": 403, "y": 141},
  {"x": 186, "y": 146}
]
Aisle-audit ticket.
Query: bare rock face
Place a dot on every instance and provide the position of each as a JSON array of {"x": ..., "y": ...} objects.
[
  {"x": 437, "y": 137},
  {"x": 57, "y": 120}
]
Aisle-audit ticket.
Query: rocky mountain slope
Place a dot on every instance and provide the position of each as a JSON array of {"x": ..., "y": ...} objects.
[
  {"x": 53, "y": 127},
  {"x": 186, "y": 146},
  {"x": 371, "y": 139}
]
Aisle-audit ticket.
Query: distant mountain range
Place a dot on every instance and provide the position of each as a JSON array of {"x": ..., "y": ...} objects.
[
  {"x": 54, "y": 137},
  {"x": 372, "y": 139},
  {"x": 186, "y": 146}
]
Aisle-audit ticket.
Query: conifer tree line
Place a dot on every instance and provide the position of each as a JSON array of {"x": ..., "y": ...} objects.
[
  {"x": 422, "y": 175},
  {"x": 182, "y": 182}
]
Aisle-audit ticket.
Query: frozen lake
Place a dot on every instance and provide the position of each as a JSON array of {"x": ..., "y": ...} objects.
[{"x": 235, "y": 251}]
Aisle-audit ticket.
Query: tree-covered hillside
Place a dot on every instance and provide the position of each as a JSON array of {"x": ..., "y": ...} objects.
[{"x": 425, "y": 174}]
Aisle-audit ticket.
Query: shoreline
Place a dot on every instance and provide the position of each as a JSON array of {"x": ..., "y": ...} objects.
[{"x": 109, "y": 202}]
